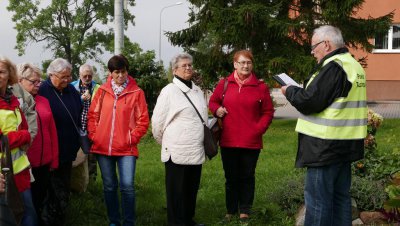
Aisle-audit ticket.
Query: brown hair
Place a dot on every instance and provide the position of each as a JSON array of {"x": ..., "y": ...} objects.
[
  {"x": 245, "y": 53},
  {"x": 118, "y": 62},
  {"x": 13, "y": 78}
]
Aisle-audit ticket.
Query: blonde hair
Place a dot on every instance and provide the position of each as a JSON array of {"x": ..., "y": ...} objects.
[
  {"x": 26, "y": 70},
  {"x": 13, "y": 78}
]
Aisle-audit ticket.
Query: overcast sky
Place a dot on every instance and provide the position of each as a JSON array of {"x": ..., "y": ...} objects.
[{"x": 145, "y": 32}]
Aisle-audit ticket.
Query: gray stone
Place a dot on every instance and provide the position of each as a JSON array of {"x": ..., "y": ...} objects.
[{"x": 301, "y": 215}]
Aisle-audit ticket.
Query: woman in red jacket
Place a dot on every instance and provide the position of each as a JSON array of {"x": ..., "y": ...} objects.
[
  {"x": 14, "y": 125},
  {"x": 117, "y": 120},
  {"x": 43, "y": 152},
  {"x": 246, "y": 109}
]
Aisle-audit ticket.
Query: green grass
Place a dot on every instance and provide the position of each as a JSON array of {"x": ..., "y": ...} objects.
[
  {"x": 276, "y": 163},
  {"x": 388, "y": 135}
]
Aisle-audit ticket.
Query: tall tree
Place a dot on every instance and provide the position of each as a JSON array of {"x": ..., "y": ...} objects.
[
  {"x": 69, "y": 28},
  {"x": 277, "y": 31}
]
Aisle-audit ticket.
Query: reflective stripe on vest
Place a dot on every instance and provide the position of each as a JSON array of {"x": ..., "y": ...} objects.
[
  {"x": 346, "y": 117},
  {"x": 12, "y": 120}
]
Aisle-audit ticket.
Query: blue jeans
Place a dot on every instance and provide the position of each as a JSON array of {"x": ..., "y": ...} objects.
[
  {"x": 327, "y": 195},
  {"x": 126, "y": 169},
  {"x": 30, "y": 217}
]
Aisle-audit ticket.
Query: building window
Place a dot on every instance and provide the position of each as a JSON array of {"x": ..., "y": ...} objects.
[{"x": 389, "y": 42}]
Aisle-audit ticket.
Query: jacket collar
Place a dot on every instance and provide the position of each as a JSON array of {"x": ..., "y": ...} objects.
[
  {"x": 252, "y": 82},
  {"x": 14, "y": 103},
  {"x": 65, "y": 90},
  {"x": 132, "y": 85},
  {"x": 181, "y": 85}
]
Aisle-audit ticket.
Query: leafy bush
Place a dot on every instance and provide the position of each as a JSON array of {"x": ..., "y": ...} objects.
[
  {"x": 369, "y": 193},
  {"x": 290, "y": 194}
]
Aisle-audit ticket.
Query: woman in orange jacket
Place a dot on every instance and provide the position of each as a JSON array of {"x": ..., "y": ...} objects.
[{"x": 117, "y": 120}]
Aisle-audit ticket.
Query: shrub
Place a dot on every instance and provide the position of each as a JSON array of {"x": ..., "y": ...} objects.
[
  {"x": 290, "y": 194},
  {"x": 368, "y": 193}
]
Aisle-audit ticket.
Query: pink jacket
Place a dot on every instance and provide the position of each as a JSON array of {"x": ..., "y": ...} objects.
[
  {"x": 44, "y": 148},
  {"x": 250, "y": 112}
]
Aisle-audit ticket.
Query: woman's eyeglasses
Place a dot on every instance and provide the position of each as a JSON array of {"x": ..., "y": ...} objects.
[
  {"x": 34, "y": 82},
  {"x": 242, "y": 63}
]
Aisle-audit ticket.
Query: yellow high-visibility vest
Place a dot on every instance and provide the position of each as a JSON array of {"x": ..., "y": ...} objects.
[
  {"x": 11, "y": 121},
  {"x": 346, "y": 117}
]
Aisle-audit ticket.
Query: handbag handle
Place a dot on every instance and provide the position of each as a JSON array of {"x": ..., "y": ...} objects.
[
  {"x": 101, "y": 102},
  {"x": 72, "y": 119},
  {"x": 198, "y": 113},
  {"x": 224, "y": 91}
]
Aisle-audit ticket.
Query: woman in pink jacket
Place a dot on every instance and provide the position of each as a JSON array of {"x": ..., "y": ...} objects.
[
  {"x": 245, "y": 106},
  {"x": 117, "y": 120},
  {"x": 43, "y": 152}
]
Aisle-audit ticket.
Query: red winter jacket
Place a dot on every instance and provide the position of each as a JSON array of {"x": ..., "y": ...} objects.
[
  {"x": 121, "y": 122},
  {"x": 17, "y": 137},
  {"x": 250, "y": 112},
  {"x": 44, "y": 148}
]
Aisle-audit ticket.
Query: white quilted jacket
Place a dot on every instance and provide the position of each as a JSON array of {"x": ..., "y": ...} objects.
[{"x": 176, "y": 125}]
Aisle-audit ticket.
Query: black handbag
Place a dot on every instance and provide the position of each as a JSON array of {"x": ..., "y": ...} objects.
[
  {"x": 11, "y": 204},
  {"x": 210, "y": 144}
]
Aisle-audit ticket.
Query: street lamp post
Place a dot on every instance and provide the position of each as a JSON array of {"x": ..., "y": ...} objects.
[{"x": 159, "y": 41}]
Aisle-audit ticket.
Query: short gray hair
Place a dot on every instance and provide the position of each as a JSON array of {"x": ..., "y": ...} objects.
[
  {"x": 330, "y": 33},
  {"x": 58, "y": 65},
  {"x": 25, "y": 70},
  {"x": 178, "y": 57},
  {"x": 84, "y": 67}
]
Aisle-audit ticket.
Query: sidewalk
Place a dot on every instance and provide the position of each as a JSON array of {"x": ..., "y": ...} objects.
[{"x": 388, "y": 109}]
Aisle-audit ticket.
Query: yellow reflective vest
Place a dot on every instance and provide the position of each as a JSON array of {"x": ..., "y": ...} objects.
[
  {"x": 11, "y": 121},
  {"x": 346, "y": 117}
]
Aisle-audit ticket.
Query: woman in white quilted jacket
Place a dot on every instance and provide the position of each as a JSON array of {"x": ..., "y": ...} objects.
[{"x": 178, "y": 128}]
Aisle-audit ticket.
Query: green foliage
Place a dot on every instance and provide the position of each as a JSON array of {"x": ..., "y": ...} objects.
[
  {"x": 66, "y": 27},
  {"x": 368, "y": 193},
  {"x": 149, "y": 74},
  {"x": 290, "y": 195},
  {"x": 278, "y": 33}
]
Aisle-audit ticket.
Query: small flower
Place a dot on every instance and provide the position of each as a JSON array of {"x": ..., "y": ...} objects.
[{"x": 369, "y": 141}]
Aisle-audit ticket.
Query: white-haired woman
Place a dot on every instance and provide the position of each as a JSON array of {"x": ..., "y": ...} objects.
[
  {"x": 178, "y": 128},
  {"x": 65, "y": 103},
  {"x": 43, "y": 152}
]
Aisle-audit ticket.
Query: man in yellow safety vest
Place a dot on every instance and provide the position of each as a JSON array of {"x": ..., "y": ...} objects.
[{"x": 331, "y": 128}]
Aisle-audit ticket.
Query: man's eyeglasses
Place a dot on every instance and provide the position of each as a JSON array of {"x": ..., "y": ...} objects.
[
  {"x": 186, "y": 66},
  {"x": 34, "y": 82},
  {"x": 242, "y": 63},
  {"x": 315, "y": 45},
  {"x": 66, "y": 77}
]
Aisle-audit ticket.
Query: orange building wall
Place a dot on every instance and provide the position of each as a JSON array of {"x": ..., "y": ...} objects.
[{"x": 383, "y": 74}]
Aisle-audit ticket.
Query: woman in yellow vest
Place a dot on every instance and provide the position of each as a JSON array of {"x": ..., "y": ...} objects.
[{"x": 14, "y": 125}]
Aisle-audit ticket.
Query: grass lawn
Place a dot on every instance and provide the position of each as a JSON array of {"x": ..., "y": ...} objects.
[{"x": 276, "y": 163}]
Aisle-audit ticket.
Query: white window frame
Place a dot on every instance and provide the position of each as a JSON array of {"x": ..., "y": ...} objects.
[{"x": 390, "y": 43}]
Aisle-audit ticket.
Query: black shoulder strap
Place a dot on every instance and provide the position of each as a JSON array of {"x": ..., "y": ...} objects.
[{"x": 198, "y": 113}]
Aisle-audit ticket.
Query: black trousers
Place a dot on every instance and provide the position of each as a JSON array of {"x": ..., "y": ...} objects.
[
  {"x": 40, "y": 187},
  {"x": 239, "y": 166},
  {"x": 59, "y": 191},
  {"x": 182, "y": 183}
]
